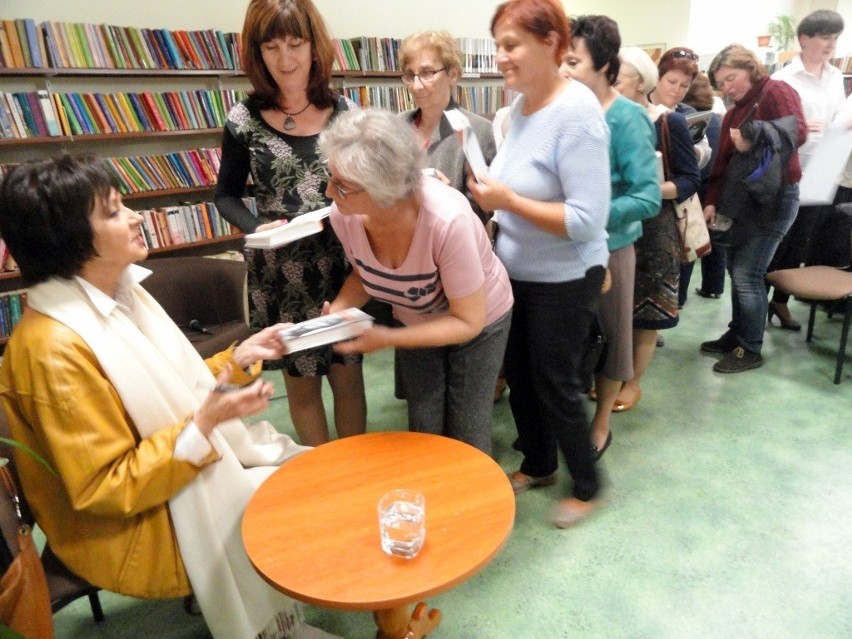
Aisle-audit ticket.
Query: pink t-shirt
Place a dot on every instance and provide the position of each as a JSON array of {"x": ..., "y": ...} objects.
[{"x": 450, "y": 257}]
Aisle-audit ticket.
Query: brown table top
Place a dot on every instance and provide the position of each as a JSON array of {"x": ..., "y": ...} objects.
[{"x": 311, "y": 529}]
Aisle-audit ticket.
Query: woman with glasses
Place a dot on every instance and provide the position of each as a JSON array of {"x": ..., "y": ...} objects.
[
  {"x": 431, "y": 66},
  {"x": 655, "y": 301},
  {"x": 762, "y": 205},
  {"x": 593, "y": 60},
  {"x": 550, "y": 184},
  {"x": 416, "y": 244},
  {"x": 272, "y": 136}
]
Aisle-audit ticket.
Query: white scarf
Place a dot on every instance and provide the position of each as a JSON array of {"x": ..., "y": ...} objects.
[{"x": 161, "y": 380}]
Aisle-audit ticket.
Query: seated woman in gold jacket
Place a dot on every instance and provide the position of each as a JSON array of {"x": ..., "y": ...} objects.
[{"x": 147, "y": 445}]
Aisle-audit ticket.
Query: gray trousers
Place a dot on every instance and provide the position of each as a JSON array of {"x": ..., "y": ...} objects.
[{"x": 450, "y": 389}]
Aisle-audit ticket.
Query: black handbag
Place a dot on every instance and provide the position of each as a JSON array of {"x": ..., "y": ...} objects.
[{"x": 593, "y": 357}]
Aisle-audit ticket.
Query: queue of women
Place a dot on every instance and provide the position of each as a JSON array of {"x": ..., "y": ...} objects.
[{"x": 585, "y": 230}]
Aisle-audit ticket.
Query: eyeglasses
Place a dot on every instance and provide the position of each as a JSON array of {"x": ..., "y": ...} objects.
[
  {"x": 342, "y": 192},
  {"x": 425, "y": 75},
  {"x": 681, "y": 53}
]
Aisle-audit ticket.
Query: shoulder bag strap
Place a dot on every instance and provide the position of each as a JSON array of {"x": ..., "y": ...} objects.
[{"x": 9, "y": 485}]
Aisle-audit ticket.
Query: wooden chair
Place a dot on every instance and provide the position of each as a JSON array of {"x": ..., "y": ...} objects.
[
  {"x": 205, "y": 297},
  {"x": 819, "y": 284},
  {"x": 63, "y": 585}
]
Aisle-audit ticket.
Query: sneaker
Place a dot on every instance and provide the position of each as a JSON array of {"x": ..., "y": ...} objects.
[
  {"x": 738, "y": 361},
  {"x": 724, "y": 344}
]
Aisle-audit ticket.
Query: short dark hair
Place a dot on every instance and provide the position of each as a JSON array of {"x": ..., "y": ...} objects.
[
  {"x": 540, "y": 18},
  {"x": 820, "y": 22},
  {"x": 600, "y": 34},
  {"x": 268, "y": 19},
  {"x": 45, "y": 209}
]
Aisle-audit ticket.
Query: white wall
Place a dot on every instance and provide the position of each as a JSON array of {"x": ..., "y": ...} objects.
[{"x": 704, "y": 25}]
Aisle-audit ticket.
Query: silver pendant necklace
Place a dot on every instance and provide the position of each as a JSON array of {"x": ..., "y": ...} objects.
[{"x": 289, "y": 122}]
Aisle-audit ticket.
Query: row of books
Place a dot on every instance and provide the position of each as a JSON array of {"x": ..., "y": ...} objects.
[
  {"x": 178, "y": 170},
  {"x": 844, "y": 64},
  {"x": 382, "y": 54},
  {"x": 11, "y": 307},
  {"x": 174, "y": 225},
  {"x": 478, "y": 99},
  {"x": 25, "y": 44},
  {"x": 43, "y": 114}
]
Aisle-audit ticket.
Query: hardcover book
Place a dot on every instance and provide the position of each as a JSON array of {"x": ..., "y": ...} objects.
[
  {"x": 326, "y": 329},
  {"x": 302, "y": 226}
]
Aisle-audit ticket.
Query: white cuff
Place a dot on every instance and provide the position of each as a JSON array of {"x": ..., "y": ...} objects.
[{"x": 191, "y": 445}]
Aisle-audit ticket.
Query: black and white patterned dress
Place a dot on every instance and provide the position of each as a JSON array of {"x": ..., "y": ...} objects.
[{"x": 288, "y": 284}]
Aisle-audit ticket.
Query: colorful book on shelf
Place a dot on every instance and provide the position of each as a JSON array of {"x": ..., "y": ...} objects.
[
  {"x": 72, "y": 45},
  {"x": 20, "y": 27},
  {"x": 138, "y": 110},
  {"x": 75, "y": 127},
  {"x": 5, "y": 50},
  {"x": 32, "y": 33},
  {"x": 211, "y": 46},
  {"x": 140, "y": 48},
  {"x": 50, "y": 117},
  {"x": 225, "y": 50},
  {"x": 55, "y": 45},
  {"x": 87, "y": 119},
  {"x": 325, "y": 329},
  {"x": 64, "y": 125},
  {"x": 299, "y": 227},
  {"x": 111, "y": 46},
  {"x": 6, "y": 130},
  {"x": 15, "y": 45}
]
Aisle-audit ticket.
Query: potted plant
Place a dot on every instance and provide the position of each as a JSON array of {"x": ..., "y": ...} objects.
[{"x": 783, "y": 31}]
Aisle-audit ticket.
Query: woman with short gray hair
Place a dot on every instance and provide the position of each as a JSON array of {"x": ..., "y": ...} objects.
[{"x": 415, "y": 243}]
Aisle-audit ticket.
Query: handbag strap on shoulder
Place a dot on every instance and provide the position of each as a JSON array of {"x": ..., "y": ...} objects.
[{"x": 665, "y": 146}]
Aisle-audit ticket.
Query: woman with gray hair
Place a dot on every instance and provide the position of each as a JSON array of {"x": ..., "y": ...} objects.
[{"x": 416, "y": 244}]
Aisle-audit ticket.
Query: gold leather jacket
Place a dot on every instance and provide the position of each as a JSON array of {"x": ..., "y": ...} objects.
[{"x": 105, "y": 514}]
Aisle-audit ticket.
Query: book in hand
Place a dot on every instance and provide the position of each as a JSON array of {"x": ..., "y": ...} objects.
[
  {"x": 470, "y": 143},
  {"x": 326, "y": 329},
  {"x": 697, "y": 122},
  {"x": 302, "y": 226}
]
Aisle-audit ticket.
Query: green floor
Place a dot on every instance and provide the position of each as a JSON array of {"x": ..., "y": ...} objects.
[{"x": 728, "y": 512}]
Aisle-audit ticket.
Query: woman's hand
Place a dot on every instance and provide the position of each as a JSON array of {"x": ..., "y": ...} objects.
[
  {"x": 265, "y": 344},
  {"x": 489, "y": 194},
  {"x": 740, "y": 143},
  {"x": 270, "y": 225},
  {"x": 222, "y": 405},
  {"x": 710, "y": 215},
  {"x": 372, "y": 339}
]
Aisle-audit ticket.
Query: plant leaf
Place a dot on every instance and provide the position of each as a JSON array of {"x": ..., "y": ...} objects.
[{"x": 29, "y": 451}]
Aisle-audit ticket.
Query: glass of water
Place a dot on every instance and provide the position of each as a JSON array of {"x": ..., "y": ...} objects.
[{"x": 402, "y": 522}]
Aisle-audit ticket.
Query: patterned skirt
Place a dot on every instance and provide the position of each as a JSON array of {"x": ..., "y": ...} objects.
[{"x": 657, "y": 272}]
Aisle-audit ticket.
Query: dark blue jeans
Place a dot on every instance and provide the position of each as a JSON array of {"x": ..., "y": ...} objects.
[
  {"x": 550, "y": 322},
  {"x": 747, "y": 264}
]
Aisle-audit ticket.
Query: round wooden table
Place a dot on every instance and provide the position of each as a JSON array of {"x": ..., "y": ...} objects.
[{"x": 311, "y": 529}]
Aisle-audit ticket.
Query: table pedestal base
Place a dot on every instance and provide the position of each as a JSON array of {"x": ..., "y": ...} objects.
[{"x": 396, "y": 623}]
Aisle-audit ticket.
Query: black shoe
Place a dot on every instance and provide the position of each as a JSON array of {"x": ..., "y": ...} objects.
[
  {"x": 787, "y": 323},
  {"x": 597, "y": 454},
  {"x": 660, "y": 341},
  {"x": 702, "y": 293},
  {"x": 724, "y": 344},
  {"x": 738, "y": 361}
]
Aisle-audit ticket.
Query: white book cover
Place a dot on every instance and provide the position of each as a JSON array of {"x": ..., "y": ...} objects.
[
  {"x": 470, "y": 143},
  {"x": 296, "y": 229},
  {"x": 325, "y": 329},
  {"x": 50, "y": 118}
]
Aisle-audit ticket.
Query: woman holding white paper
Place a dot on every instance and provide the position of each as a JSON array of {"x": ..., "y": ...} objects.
[
  {"x": 550, "y": 183},
  {"x": 416, "y": 244},
  {"x": 431, "y": 63}
]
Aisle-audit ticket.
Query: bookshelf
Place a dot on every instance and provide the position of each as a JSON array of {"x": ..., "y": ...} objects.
[{"x": 143, "y": 97}]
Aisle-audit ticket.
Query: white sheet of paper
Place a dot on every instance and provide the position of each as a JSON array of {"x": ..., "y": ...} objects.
[
  {"x": 819, "y": 179},
  {"x": 470, "y": 143}
]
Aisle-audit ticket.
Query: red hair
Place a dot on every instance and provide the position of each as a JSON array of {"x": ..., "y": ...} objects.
[{"x": 540, "y": 18}]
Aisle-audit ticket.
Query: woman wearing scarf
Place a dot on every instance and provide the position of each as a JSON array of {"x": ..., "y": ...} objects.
[{"x": 148, "y": 446}]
